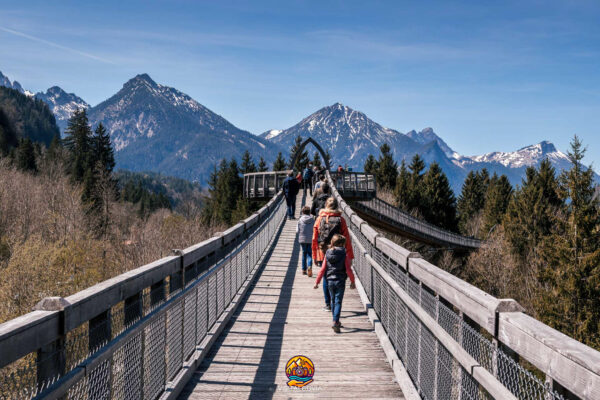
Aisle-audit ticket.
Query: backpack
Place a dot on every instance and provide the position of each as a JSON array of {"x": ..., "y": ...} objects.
[
  {"x": 328, "y": 227},
  {"x": 320, "y": 202}
]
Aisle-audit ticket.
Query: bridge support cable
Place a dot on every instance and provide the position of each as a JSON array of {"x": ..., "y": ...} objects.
[
  {"x": 163, "y": 331},
  {"x": 456, "y": 341}
]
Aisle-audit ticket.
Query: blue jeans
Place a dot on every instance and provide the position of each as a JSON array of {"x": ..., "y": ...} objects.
[
  {"x": 336, "y": 291},
  {"x": 306, "y": 255},
  {"x": 291, "y": 205},
  {"x": 326, "y": 293}
]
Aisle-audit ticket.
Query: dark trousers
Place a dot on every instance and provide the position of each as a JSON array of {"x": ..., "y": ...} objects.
[
  {"x": 306, "y": 185},
  {"x": 290, "y": 201},
  {"x": 336, "y": 293}
]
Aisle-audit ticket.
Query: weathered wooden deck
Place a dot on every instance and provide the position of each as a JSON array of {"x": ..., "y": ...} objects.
[{"x": 282, "y": 317}]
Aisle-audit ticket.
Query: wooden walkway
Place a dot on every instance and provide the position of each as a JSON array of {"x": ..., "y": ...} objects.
[{"x": 282, "y": 317}]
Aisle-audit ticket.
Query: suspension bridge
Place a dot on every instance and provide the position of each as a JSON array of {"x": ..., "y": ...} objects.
[{"x": 222, "y": 318}]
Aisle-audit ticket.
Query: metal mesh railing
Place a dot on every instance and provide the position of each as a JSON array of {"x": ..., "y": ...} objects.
[
  {"x": 432, "y": 368},
  {"x": 151, "y": 338}
]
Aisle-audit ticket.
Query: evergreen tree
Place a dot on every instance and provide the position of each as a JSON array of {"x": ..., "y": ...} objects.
[
  {"x": 532, "y": 209},
  {"x": 471, "y": 199},
  {"x": 371, "y": 166},
  {"x": 25, "y": 157},
  {"x": 103, "y": 149},
  {"x": 8, "y": 137},
  {"x": 498, "y": 196},
  {"x": 317, "y": 160},
  {"x": 569, "y": 297},
  {"x": 78, "y": 141},
  {"x": 440, "y": 203},
  {"x": 248, "y": 165},
  {"x": 387, "y": 168},
  {"x": 415, "y": 195},
  {"x": 55, "y": 150},
  {"x": 401, "y": 193},
  {"x": 279, "y": 164},
  {"x": 302, "y": 160},
  {"x": 262, "y": 165}
]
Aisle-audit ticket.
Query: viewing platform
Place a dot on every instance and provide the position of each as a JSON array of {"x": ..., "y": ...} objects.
[{"x": 351, "y": 185}]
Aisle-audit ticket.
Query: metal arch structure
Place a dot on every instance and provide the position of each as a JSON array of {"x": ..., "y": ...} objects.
[{"x": 319, "y": 148}]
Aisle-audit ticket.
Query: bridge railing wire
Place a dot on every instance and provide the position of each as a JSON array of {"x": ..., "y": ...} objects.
[
  {"x": 141, "y": 348},
  {"x": 434, "y": 368}
]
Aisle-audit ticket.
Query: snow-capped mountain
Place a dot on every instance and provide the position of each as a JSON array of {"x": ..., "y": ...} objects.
[
  {"x": 349, "y": 135},
  {"x": 62, "y": 104},
  {"x": 524, "y": 157},
  {"x": 4, "y": 81},
  {"x": 158, "y": 128},
  {"x": 270, "y": 134}
]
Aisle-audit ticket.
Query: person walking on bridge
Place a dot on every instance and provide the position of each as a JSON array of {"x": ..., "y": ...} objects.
[
  {"x": 304, "y": 228},
  {"x": 320, "y": 198},
  {"x": 336, "y": 269},
  {"x": 290, "y": 190},
  {"x": 307, "y": 179},
  {"x": 328, "y": 223}
]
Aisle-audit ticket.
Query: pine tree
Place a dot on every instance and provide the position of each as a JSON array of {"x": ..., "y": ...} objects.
[
  {"x": 387, "y": 168},
  {"x": 531, "y": 212},
  {"x": 279, "y": 164},
  {"x": 471, "y": 199},
  {"x": 8, "y": 137},
  {"x": 262, "y": 165},
  {"x": 25, "y": 157},
  {"x": 401, "y": 193},
  {"x": 415, "y": 195},
  {"x": 569, "y": 298},
  {"x": 317, "y": 160},
  {"x": 103, "y": 149},
  {"x": 248, "y": 165},
  {"x": 498, "y": 196},
  {"x": 439, "y": 200},
  {"x": 54, "y": 152},
  {"x": 78, "y": 141},
  {"x": 371, "y": 166},
  {"x": 302, "y": 160}
]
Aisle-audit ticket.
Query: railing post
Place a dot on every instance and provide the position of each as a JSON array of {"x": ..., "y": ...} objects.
[
  {"x": 436, "y": 365},
  {"x": 99, "y": 330},
  {"x": 157, "y": 293},
  {"x": 52, "y": 357}
]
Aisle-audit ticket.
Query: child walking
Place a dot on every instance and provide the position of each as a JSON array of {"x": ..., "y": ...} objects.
[
  {"x": 304, "y": 228},
  {"x": 336, "y": 268}
]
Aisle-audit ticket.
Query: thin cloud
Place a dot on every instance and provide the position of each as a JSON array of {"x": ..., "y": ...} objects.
[{"x": 58, "y": 46}]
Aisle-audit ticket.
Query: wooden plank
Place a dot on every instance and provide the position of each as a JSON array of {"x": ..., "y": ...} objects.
[
  {"x": 569, "y": 362},
  {"x": 282, "y": 317}
]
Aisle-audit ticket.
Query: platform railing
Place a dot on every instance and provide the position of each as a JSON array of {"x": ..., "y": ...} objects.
[
  {"x": 132, "y": 336},
  {"x": 386, "y": 212},
  {"x": 458, "y": 342}
]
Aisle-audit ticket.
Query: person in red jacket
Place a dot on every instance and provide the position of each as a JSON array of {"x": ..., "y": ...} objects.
[
  {"x": 336, "y": 269},
  {"x": 328, "y": 223}
]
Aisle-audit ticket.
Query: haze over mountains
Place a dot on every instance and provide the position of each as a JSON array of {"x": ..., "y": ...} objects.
[{"x": 158, "y": 128}]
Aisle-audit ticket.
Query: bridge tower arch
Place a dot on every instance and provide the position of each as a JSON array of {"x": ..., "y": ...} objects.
[{"x": 317, "y": 146}]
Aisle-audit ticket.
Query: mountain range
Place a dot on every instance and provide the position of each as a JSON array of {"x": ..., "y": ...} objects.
[{"x": 158, "y": 128}]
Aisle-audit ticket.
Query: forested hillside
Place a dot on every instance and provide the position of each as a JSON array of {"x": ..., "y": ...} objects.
[
  {"x": 64, "y": 225},
  {"x": 29, "y": 118},
  {"x": 542, "y": 238}
]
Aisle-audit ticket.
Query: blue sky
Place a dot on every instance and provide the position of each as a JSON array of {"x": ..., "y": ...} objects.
[{"x": 485, "y": 77}]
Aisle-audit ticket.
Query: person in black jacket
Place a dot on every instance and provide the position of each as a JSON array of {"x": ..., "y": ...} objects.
[
  {"x": 291, "y": 187},
  {"x": 321, "y": 196}
]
